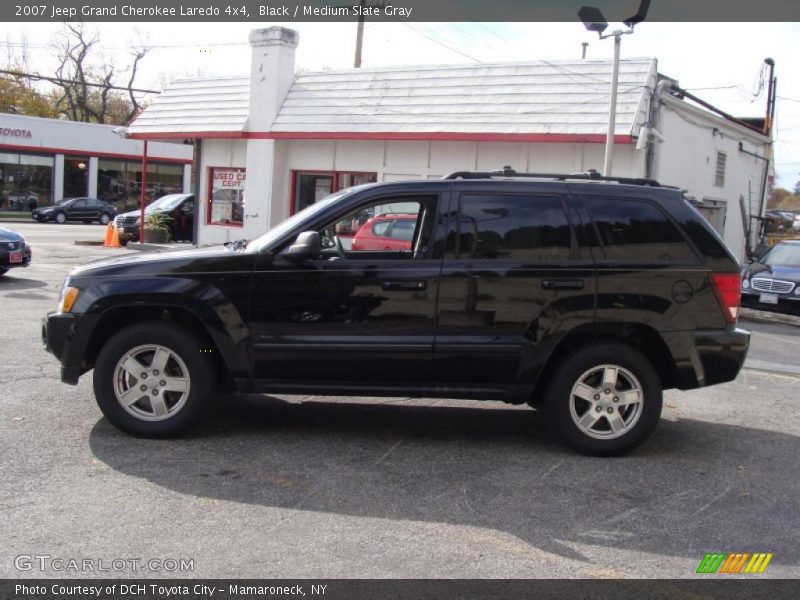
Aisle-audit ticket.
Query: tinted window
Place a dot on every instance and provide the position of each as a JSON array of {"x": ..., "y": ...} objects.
[
  {"x": 635, "y": 230},
  {"x": 512, "y": 227},
  {"x": 403, "y": 230},
  {"x": 81, "y": 203}
]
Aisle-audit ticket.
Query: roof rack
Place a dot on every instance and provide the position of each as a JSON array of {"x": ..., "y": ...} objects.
[{"x": 590, "y": 175}]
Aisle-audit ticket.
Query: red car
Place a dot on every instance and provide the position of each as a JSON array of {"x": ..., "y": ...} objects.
[{"x": 386, "y": 232}]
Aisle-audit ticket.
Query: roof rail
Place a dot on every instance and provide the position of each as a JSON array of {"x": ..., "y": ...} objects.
[{"x": 590, "y": 175}]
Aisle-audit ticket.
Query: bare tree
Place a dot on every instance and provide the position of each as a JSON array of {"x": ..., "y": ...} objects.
[{"x": 86, "y": 91}]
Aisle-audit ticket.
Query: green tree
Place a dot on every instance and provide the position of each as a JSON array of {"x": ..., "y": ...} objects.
[{"x": 17, "y": 96}]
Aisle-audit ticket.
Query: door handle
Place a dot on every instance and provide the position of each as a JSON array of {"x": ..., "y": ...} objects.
[
  {"x": 562, "y": 284},
  {"x": 407, "y": 286}
]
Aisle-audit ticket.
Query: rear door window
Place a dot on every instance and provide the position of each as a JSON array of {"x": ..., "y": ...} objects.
[
  {"x": 511, "y": 227},
  {"x": 636, "y": 230}
]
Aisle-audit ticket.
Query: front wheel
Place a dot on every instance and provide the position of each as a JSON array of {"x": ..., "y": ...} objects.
[
  {"x": 61, "y": 218},
  {"x": 151, "y": 380},
  {"x": 604, "y": 400}
]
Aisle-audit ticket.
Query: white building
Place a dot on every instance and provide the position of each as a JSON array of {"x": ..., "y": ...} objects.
[
  {"x": 44, "y": 160},
  {"x": 298, "y": 137}
]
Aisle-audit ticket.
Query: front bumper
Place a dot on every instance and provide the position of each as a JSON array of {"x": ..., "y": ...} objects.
[
  {"x": 787, "y": 303},
  {"x": 63, "y": 338},
  {"x": 5, "y": 259}
]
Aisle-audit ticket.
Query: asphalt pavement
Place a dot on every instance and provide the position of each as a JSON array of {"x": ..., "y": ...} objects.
[{"x": 309, "y": 486}]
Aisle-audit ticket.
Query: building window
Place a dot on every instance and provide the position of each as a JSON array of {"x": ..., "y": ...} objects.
[
  {"x": 26, "y": 181},
  {"x": 719, "y": 174},
  {"x": 226, "y": 196},
  {"x": 310, "y": 186},
  {"x": 120, "y": 181},
  {"x": 76, "y": 176}
]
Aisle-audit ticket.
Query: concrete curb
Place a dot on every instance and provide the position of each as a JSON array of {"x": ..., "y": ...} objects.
[{"x": 763, "y": 316}]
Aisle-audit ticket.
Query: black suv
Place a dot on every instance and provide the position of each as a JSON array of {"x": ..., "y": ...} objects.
[
  {"x": 178, "y": 209},
  {"x": 580, "y": 295}
]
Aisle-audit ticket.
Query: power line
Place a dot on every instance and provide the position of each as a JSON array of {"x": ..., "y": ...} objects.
[
  {"x": 72, "y": 81},
  {"x": 440, "y": 43}
]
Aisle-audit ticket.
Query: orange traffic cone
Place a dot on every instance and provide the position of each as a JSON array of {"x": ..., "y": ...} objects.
[
  {"x": 115, "y": 238},
  {"x": 109, "y": 233}
]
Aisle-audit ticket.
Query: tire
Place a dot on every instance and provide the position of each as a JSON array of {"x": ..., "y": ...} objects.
[
  {"x": 186, "y": 367},
  {"x": 60, "y": 218},
  {"x": 104, "y": 219},
  {"x": 589, "y": 372}
]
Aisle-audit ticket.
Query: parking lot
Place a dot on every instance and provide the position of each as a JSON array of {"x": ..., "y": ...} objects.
[{"x": 310, "y": 486}]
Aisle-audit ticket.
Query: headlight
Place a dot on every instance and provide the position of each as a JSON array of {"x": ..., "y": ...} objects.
[
  {"x": 745, "y": 283},
  {"x": 797, "y": 291},
  {"x": 67, "y": 297}
]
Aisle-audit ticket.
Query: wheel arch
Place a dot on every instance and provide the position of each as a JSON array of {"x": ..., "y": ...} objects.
[
  {"x": 219, "y": 346},
  {"x": 642, "y": 338}
]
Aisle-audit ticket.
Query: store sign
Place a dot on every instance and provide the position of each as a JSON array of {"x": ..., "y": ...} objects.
[
  {"x": 227, "y": 196},
  {"x": 17, "y": 133}
]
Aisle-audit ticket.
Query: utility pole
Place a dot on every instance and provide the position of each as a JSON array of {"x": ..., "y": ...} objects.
[
  {"x": 612, "y": 109},
  {"x": 359, "y": 35},
  {"x": 372, "y": 4}
]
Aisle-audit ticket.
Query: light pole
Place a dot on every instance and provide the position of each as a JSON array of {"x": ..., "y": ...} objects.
[{"x": 594, "y": 20}]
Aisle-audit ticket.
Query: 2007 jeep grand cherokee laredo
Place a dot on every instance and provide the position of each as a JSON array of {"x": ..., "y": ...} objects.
[{"x": 583, "y": 296}]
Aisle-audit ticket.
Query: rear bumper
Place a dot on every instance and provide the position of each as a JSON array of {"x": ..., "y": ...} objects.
[
  {"x": 721, "y": 354},
  {"x": 66, "y": 341}
]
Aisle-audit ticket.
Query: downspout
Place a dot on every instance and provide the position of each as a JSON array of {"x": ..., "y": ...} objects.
[{"x": 655, "y": 108}]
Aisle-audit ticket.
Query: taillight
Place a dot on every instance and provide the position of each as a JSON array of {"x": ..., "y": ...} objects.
[{"x": 727, "y": 286}]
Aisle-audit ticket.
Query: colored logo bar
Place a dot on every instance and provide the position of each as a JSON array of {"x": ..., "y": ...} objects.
[{"x": 734, "y": 562}]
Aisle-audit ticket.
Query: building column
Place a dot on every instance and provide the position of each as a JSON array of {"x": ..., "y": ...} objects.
[
  {"x": 93, "y": 173},
  {"x": 187, "y": 178},
  {"x": 58, "y": 178}
]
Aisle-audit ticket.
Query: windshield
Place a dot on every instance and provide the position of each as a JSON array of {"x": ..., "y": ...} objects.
[
  {"x": 306, "y": 214},
  {"x": 165, "y": 202},
  {"x": 783, "y": 255}
]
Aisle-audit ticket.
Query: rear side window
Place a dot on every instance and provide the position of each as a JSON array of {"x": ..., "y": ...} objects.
[
  {"x": 511, "y": 227},
  {"x": 638, "y": 231}
]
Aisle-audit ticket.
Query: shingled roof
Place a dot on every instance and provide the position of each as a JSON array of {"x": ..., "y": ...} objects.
[{"x": 567, "y": 98}]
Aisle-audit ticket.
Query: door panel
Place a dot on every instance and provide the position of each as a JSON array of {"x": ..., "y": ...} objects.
[
  {"x": 514, "y": 280},
  {"x": 347, "y": 316}
]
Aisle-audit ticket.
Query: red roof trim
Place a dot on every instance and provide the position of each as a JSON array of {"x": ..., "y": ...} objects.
[
  {"x": 393, "y": 136},
  {"x": 89, "y": 153},
  {"x": 206, "y": 135}
]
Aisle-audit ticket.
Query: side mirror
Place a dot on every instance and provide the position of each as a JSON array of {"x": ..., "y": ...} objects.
[{"x": 307, "y": 245}]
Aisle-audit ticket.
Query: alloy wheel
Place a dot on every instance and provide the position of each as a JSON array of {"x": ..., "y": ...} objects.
[
  {"x": 606, "y": 402},
  {"x": 151, "y": 382}
]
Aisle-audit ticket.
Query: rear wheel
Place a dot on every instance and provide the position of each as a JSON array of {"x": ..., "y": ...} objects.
[
  {"x": 604, "y": 400},
  {"x": 60, "y": 218},
  {"x": 104, "y": 219},
  {"x": 151, "y": 380}
]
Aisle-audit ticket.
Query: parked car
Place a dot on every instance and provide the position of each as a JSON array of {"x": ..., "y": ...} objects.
[
  {"x": 779, "y": 220},
  {"x": 386, "y": 232},
  {"x": 580, "y": 295},
  {"x": 87, "y": 210},
  {"x": 179, "y": 208},
  {"x": 14, "y": 250},
  {"x": 773, "y": 281}
]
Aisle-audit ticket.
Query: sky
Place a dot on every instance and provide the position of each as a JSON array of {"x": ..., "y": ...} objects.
[{"x": 719, "y": 62}]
